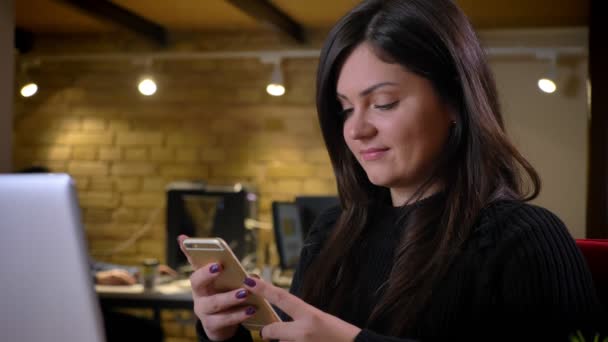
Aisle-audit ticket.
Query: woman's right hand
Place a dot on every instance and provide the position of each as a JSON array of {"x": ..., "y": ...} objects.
[{"x": 219, "y": 313}]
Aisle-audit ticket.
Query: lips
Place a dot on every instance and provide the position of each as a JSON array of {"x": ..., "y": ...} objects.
[{"x": 374, "y": 153}]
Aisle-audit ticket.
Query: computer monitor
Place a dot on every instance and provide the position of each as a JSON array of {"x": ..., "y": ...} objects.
[
  {"x": 200, "y": 210},
  {"x": 47, "y": 291},
  {"x": 311, "y": 207},
  {"x": 289, "y": 236}
]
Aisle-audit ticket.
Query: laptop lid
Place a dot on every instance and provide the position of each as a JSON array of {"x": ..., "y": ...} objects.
[{"x": 46, "y": 292}]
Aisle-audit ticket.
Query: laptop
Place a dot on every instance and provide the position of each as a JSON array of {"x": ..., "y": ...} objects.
[{"x": 46, "y": 291}]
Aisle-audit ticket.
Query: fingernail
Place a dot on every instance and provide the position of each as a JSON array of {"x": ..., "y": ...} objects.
[
  {"x": 250, "y": 311},
  {"x": 241, "y": 294},
  {"x": 214, "y": 268},
  {"x": 249, "y": 282}
]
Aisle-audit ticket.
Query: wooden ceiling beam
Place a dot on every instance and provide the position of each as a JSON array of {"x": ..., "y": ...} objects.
[
  {"x": 265, "y": 12},
  {"x": 108, "y": 11}
]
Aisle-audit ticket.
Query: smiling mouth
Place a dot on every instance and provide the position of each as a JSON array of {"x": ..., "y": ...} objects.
[{"x": 373, "y": 153}]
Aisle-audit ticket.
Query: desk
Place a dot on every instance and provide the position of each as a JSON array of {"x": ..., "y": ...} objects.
[{"x": 174, "y": 295}]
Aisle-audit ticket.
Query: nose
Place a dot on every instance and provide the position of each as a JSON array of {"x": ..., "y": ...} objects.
[{"x": 358, "y": 127}]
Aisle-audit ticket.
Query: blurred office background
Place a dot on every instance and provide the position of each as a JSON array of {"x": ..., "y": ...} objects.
[{"x": 212, "y": 119}]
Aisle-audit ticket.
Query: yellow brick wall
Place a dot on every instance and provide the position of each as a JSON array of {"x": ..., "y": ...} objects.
[{"x": 209, "y": 120}]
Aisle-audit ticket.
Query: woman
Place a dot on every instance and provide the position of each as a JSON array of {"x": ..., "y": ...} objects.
[{"x": 433, "y": 238}]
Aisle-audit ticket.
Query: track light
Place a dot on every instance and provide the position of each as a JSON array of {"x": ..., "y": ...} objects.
[
  {"x": 28, "y": 86},
  {"x": 547, "y": 82},
  {"x": 276, "y": 87},
  {"x": 147, "y": 85},
  {"x": 29, "y": 89}
]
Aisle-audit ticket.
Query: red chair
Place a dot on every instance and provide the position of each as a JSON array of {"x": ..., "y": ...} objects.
[{"x": 596, "y": 253}]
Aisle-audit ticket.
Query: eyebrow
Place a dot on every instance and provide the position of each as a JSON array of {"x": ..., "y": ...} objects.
[{"x": 369, "y": 90}]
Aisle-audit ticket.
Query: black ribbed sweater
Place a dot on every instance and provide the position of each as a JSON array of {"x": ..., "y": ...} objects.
[{"x": 519, "y": 277}]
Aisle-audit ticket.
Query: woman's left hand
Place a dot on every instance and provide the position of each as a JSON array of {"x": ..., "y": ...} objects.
[{"x": 309, "y": 323}]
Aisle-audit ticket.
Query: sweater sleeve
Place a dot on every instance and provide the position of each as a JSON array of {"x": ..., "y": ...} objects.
[
  {"x": 242, "y": 334},
  {"x": 545, "y": 287}
]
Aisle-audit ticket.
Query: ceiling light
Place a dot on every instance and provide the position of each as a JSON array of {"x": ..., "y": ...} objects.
[
  {"x": 547, "y": 85},
  {"x": 276, "y": 86},
  {"x": 147, "y": 86},
  {"x": 29, "y": 89},
  {"x": 547, "y": 82}
]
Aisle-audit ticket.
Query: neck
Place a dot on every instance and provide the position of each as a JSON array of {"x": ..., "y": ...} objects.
[{"x": 401, "y": 196}]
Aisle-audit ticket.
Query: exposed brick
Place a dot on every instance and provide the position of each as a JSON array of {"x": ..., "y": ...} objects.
[
  {"x": 88, "y": 168},
  {"x": 135, "y": 154},
  {"x": 86, "y": 139},
  {"x": 186, "y": 154},
  {"x": 321, "y": 187},
  {"x": 144, "y": 200},
  {"x": 125, "y": 215},
  {"x": 84, "y": 153},
  {"x": 118, "y": 125},
  {"x": 192, "y": 171},
  {"x": 147, "y": 247},
  {"x": 316, "y": 155},
  {"x": 158, "y": 154},
  {"x": 139, "y": 139},
  {"x": 287, "y": 186},
  {"x": 212, "y": 154},
  {"x": 99, "y": 199},
  {"x": 127, "y": 184},
  {"x": 154, "y": 184},
  {"x": 101, "y": 184},
  {"x": 110, "y": 154},
  {"x": 98, "y": 246},
  {"x": 95, "y": 215},
  {"x": 94, "y": 124},
  {"x": 291, "y": 171},
  {"x": 181, "y": 139},
  {"x": 233, "y": 170},
  {"x": 42, "y": 153},
  {"x": 110, "y": 231},
  {"x": 133, "y": 169}
]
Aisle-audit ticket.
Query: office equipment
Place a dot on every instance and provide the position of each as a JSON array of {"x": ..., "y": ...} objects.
[
  {"x": 47, "y": 291},
  {"x": 288, "y": 233},
  {"x": 200, "y": 210},
  {"x": 312, "y": 206}
]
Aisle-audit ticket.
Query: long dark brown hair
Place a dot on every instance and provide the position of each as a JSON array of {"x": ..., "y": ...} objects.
[{"x": 479, "y": 165}]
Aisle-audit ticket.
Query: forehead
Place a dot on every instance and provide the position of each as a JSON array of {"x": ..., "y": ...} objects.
[{"x": 362, "y": 69}]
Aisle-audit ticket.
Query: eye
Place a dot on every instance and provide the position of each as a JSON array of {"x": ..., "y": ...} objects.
[
  {"x": 345, "y": 112},
  {"x": 387, "y": 106}
]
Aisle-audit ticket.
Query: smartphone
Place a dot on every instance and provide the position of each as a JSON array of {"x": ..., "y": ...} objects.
[{"x": 203, "y": 251}]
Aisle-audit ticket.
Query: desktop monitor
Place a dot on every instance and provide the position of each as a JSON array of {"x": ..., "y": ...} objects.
[
  {"x": 289, "y": 237},
  {"x": 47, "y": 291},
  {"x": 311, "y": 207},
  {"x": 200, "y": 210}
]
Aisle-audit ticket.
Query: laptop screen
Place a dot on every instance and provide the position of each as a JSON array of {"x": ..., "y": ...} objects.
[{"x": 47, "y": 290}]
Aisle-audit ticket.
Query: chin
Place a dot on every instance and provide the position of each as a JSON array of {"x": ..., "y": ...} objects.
[{"x": 379, "y": 181}]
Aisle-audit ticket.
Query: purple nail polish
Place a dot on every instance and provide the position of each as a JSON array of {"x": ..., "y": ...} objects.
[
  {"x": 249, "y": 282},
  {"x": 214, "y": 268},
  {"x": 241, "y": 294},
  {"x": 250, "y": 311}
]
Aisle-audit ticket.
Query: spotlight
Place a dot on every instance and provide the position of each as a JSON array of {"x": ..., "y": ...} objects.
[
  {"x": 28, "y": 86},
  {"x": 276, "y": 86},
  {"x": 29, "y": 89},
  {"x": 147, "y": 86},
  {"x": 547, "y": 83}
]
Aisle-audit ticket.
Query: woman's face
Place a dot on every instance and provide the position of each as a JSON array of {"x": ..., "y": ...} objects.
[{"x": 394, "y": 123}]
